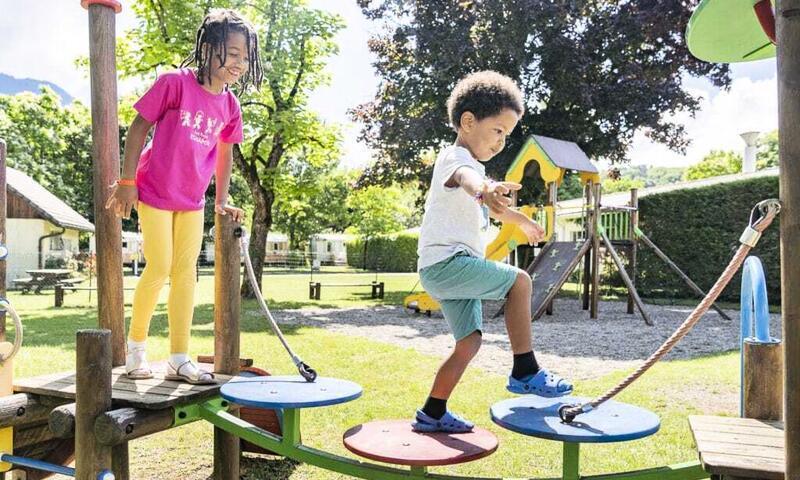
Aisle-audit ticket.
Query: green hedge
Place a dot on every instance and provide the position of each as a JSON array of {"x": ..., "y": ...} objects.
[
  {"x": 699, "y": 230},
  {"x": 388, "y": 253}
]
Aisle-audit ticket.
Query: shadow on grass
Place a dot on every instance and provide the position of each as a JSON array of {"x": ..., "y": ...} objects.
[{"x": 261, "y": 466}]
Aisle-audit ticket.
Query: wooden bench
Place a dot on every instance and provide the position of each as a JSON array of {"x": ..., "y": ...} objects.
[
  {"x": 25, "y": 284},
  {"x": 315, "y": 288},
  {"x": 739, "y": 448}
]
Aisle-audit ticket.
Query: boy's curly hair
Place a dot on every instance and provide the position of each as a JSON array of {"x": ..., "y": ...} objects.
[
  {"x": 485, "y": 94},
  {"x": 214, "y": 32}
]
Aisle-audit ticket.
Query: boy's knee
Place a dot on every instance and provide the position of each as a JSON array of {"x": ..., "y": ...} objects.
[{"x": 523, "y": 282}]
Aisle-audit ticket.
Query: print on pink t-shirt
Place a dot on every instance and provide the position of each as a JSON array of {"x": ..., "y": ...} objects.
[{"x": 177, "y": 165}]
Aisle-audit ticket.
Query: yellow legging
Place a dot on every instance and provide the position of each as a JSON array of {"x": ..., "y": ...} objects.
[{"x": 172, "y": 242}]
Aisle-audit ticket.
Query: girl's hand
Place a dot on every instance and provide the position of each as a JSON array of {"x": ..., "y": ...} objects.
[
  {"x": 123, "y": 199},
  {"x": 533, "y": 231},
  {"x": 494, "y": 194},
  {"x": 224, "y": 209}
]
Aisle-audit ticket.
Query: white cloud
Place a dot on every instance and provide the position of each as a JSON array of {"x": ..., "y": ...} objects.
[{"x": 747, "y": 106}]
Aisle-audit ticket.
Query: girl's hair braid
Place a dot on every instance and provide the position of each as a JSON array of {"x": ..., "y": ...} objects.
[{"x": 213, "y": 32}]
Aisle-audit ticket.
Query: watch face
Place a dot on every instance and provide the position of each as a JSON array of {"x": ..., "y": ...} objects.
[{"x": 3, "y": 252}]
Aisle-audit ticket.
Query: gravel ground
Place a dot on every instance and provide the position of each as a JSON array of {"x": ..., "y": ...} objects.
[{"x": 568, "y": 342}]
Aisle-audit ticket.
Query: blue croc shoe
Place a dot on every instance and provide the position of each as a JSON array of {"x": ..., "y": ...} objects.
[
  {"x": 544, "y": 384},
  {"x": 450, "y": 423}
]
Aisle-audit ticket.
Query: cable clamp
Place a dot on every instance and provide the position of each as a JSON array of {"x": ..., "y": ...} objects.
[{"x": 750, "y": 237}]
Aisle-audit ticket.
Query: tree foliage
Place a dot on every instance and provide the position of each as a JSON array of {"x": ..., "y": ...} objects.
[
  {"x": 767, "y": 151},
  {"x": 593, "y": 72},
  {"x": 716, "y": 163},
  {"x": 382, "y": 210},
  {"x": 295, "y": 40},
  {"x": 312, "y": 199},
  {"x": 52, "y": 144}
]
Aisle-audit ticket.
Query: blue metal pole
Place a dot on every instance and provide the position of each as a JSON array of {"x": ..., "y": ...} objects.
[
  {"x": 38, "y": 465},
  {"x": 754, "y": 308}
]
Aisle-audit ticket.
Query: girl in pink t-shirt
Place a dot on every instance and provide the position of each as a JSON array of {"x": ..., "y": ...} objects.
[{"x": 197, "y": 121}]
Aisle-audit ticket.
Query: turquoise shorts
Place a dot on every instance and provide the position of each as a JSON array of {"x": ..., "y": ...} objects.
[{"x": 460, "y": 282}]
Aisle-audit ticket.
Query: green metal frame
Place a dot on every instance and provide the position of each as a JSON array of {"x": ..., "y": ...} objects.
[{"x": 290, "y": 445}]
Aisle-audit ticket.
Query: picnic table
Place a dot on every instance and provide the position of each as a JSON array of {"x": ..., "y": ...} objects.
[{"x": 43, "y": 278}]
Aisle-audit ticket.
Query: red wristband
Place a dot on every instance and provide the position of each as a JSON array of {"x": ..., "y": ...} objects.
[{"x": 126, "y": 182}]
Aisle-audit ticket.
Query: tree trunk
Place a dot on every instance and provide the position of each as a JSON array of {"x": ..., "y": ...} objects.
[{"x": 262, "y": 222}]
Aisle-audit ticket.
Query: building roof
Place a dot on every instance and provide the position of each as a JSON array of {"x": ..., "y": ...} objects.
[
  {"x": 50, "y": 207},
  {"x": 619, "y": 199},
  {"x": 566, "y": 155}
]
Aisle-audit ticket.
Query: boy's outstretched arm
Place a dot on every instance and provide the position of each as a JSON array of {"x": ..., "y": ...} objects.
[{"x": 492, "y": 194}]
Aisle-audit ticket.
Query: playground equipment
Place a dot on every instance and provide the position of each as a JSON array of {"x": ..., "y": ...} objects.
[
  {"x": 549, "y": 159},
  {"x": 604, "y": 229},
  {"x": 305, "y": 371},
  {"x": 767, "y": 211},
  {"x": 739, "y": 31},
  {"x": 109, "y": 411}
]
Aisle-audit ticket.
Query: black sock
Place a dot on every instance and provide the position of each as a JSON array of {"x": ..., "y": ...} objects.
[
  {"x": 524, "y": 365},
  {"x": 435, "y": 407}
]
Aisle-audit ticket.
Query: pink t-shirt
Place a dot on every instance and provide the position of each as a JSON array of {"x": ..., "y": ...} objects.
[{"x": 177, "y": 165}]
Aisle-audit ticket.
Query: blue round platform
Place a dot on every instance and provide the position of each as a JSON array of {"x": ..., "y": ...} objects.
[
  {"x": 289, "y": 392},
  {"x": 610, "y": 422}
]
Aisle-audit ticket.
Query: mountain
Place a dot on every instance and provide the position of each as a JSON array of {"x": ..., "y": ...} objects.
[{"x": 11, "y": 86}]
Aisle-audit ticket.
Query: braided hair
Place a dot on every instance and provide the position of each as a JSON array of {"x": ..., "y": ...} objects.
[{"x": 213, "y": 32}]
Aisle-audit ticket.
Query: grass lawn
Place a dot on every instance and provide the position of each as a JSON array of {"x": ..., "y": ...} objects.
[{"x": 395, "y": 382}]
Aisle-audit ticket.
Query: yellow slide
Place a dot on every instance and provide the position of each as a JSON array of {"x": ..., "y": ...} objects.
[{"x": 507, "y": 240}]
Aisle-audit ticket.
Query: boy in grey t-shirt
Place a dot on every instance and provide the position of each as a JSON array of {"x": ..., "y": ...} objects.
[{"x": 484, "y": 108}]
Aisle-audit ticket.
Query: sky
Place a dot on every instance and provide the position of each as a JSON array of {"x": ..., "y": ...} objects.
[{"x": 33, "y": 30}]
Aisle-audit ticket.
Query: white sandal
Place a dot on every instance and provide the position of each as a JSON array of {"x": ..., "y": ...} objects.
[
  {"x": 198, "y": 377},
  {"x": 136, "y": 366}
]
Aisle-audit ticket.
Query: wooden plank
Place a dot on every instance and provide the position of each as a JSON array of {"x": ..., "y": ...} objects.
[
  {"x": 716, "y": 420},
  {"x": 734, "y": 429},
  {"x": 744, "y": 451},
  {"x": 708, "y": 422},
  {"x": 702, "y": 437},
  {"x": 722, "y": 464}
]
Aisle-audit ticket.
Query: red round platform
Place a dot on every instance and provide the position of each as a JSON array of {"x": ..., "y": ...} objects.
[{"x": 393, "y": 441}]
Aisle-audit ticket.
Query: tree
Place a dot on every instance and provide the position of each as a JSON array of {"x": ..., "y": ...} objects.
[
  {"x": 592, "y": 72},
  {"x": 767, "y": 150},
  {"x": 294, "y": 42},
  {"x": 52, "y": 144},
  {"x": 714, "y": 164},
  {"x": 311, "y": 200},
  {"x": 623, "y": 184},
  {"x": 381, "y": 210}
]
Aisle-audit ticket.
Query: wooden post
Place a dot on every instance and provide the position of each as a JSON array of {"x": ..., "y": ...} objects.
[
  {"x": 92, "y": 398},
  {"x": 788, "y": 41},
  {"x": 124, "y": 424},
  {"x": 3, "y": 239},
  {"x": 105, "y": 152},
  {"x": 227, "y": 308},
  {"x": 587, "y": 263},
  {"x": 595, "y": 251},
  {"x": 633, "y": 223},
  {"x": 762, "y": 392},
  {"x": 552, "y": 200}
]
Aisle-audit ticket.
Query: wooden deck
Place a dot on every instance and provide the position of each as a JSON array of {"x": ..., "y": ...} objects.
[
  {"x": 153, "y": 394},
  {"x": 739, "y": 447}
]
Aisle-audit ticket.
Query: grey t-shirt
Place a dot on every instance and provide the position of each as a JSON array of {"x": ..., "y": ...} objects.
[{"x": 453, "y": 220}]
